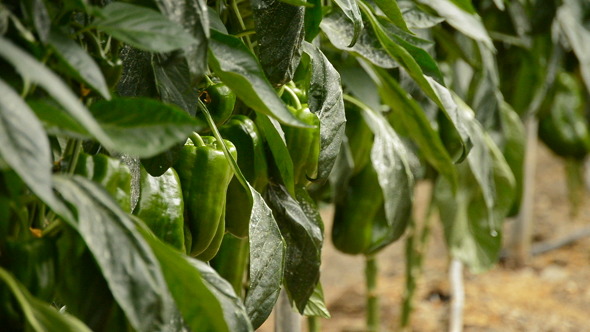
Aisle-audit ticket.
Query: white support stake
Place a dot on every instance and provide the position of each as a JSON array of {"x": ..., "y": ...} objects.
[{"x": 457, "y": 296}]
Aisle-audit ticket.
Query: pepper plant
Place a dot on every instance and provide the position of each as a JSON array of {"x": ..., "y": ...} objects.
[{"x": 162, "y": 162}]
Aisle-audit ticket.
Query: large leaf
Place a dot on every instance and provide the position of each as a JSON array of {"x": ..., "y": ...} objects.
[
  {"x": 37, "y": 73},
  {"x": 338, "y": 29},
  {"x": 409, "y": 114},
  {"x": 233, "y": 308},
  {"x": 417, "y": 18},
  {"x": 56, "y": 121},
  {"x": 325, "y": 100},
  {"x": 80, "y": 65},
  {"x": 37, "y": 12},
  {"x": 275, "y": 138},
  {"x": 24, "y": 145},
  {"x": 137, "y": 77},
  {"x": 351, "y": 11},
  {"x": 40, "y": 316},
  {"x": 388, "y": 157},
  {"x": 193, "y": 16},
  {"x": 200, "y": 306},
  {"x": 237, "y": 67},
  {"x": 312, "y": 20},
  {"x": 141, "y": 27},
  {"x": 174, "y": 82},
  {"x": 143, "y": 127},
  {"x": 462, "y": 18},
  {"x": 128, "y": 264},
  {"x": 472, "y": 229},
  {"x": 279, "y": 40},
  {"x": 302, "y": 228},
  {"x": 391, "y": 9}
]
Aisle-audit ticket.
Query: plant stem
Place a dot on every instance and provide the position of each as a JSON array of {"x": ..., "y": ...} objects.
[
  {"x": 197, "y": 140},
  {"x": 313, "y": 324},
  {"x": 372, "y": 295},
  {"x": 234, "y": 6}
]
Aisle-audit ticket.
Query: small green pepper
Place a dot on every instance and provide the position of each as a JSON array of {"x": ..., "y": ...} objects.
[
  {"x": 220, "y": 101},
  {"x": 242, "y": 131},
  {"x": 204, "y": 174},
  {"x": 304, "y": 145},
  {"x": 109, "y": 172},
  {"x": 161, "y": 207}
]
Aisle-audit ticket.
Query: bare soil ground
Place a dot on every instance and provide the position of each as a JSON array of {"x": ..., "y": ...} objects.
[{"x": 551, "y": 294}]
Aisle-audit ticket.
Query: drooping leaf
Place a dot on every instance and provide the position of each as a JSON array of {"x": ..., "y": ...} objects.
[
  {"x": 412, "y": 117},
  {"x": 37, "y": 73},
  {"x": 316, "y": 305},
  {"x": 325, "y": 100},
  {"x": 570, "y": 19},
  {"x": 417, "y": 18},
  {"x": 130, "y": 267},
  {"x": 462, "y": 16},
  {"x": 199, "y": 305},
  {"x": 142, "y": 28},
  {"x": 193, "y": 16},
  {"x": 301, "y": 226},
  {"x": 279, "y": 40},
  {"x": 391, "y": 9},
  {"x": 37, "y": 11},
  {"x": 143, "y": 127},
  {"x": 233, "y": 308},
  {"x": 338, "y": 28},
  {"x": 351, "y": 11},
  {"x": 80, "y": 64},
  {"x": 388, "y": 157},
  {"x": 56, "y": 121},
  {"x": 237, "y": 67},
  {"x": 24, "y": 145},
  {"x": 40, "y": 316}
]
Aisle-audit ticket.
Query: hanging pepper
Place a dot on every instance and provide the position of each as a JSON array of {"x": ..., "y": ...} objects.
[
  {"x": 352, "y": 232},
  {"x": 242, "y": 131},
  {"x": 563, "y": 127},
  {"x": 161, "y": 207},
  {"x": 359, "y": 136},
  {"x": 204, "y": 174},
  {"x": 231, "y": 261},
  {"x": 213, "y": 247},
  {"x": 220, "y": 101},
  {"x": 109, "y": 172},
  {"x": 304, "y": 145}
]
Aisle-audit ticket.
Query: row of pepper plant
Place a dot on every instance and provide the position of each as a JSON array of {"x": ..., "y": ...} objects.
[{"x": 162, "y": 163}]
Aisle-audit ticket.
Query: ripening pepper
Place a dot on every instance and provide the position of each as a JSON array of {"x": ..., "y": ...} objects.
[
  {"x": 204, "y": 175},
  {"x": 109, "y": 172},
  {"x": 304, "y": 145},
  {"x": 220, "y": 101},
  {"x": 563, "y": 127},
  {"x": 242, "y": 131},
  {"x": 352, "y": 231},
  {"x": 213, "y": 247},
  {"x": 161, "y": 207}
]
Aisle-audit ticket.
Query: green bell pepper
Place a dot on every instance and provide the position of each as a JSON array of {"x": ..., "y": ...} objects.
[
  {"x": 161, "y": 207},
  {"x": 232, "y": 260},
  {"x": 220, "y": 101},
  {"x": 204, "y": 174},
  {"x": 304, "y": 145}
]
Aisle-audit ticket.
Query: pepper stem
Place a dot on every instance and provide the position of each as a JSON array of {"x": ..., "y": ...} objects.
[
  {"x": 196, "y": 138},
  {"x": 293, "y": 96}
]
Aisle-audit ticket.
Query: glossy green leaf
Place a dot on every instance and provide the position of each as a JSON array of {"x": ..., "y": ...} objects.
[
  {"x": 40, "y": 316},
  {"x": 388, "y": 157},
  {"x": 316, "y": 305},
  {"x": 302, "y": 228},
  {"x": 56, "y": 121},
  {"x": 461, "y": 15},
  {"x": 37, "y": 73},
  {"x": 142, "y": 27},
  {"x": 200, "y": 306},
  {"x": 338, "y": 29},
  {"x": 279, "y": 40},
  {"x": 571, "y": 20},
  {"x": 237, "y": 67},
  {"x": 130, "y": 267},
  {"x": 275, "y": 138},
  {"x": 193, "y": 16},
  {"x": 80, "y": 65},
  {"x": 312, "y": 19},
  {"x": 137, "y": 76},
  {"x": 391, "y": 9},
  {"x": 142, "y": 127},
  {"x": 325, "y": 100},
  {"x": 409, "y": 114},
  {"x": 24, "y": 145},
  {"x": 416, "y": 17},
  {"x": 351, "y": 11},
  {"x": 233, "y": 308}
]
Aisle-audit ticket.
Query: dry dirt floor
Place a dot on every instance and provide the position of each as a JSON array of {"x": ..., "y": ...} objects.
[{"x": 551, "y": 294}]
